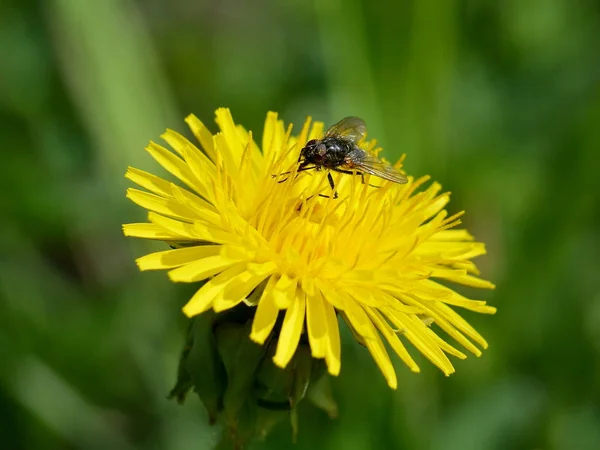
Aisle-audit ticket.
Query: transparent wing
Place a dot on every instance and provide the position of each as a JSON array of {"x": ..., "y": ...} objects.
[
  {"x": 369, "y": 164},
  {"x": 352, "y": 128}
]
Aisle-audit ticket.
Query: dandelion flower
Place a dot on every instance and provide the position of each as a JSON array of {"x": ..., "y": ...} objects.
[{"x": 379, "y": 255}]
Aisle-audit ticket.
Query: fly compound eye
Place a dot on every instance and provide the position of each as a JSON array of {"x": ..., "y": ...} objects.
[{"x": 311, "y": 143}]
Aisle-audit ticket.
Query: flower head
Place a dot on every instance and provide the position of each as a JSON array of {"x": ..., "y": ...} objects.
[{"x": 257, "y": 231}]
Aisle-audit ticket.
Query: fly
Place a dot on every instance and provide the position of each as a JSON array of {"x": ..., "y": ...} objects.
[{"x": 338, "y": 150}]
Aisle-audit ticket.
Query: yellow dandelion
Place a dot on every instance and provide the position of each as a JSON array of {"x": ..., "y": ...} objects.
[{"x": 374, "y": 256}]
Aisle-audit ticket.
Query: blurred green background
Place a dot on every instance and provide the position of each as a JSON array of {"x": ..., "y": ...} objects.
[{"x": 499, "y": 101}]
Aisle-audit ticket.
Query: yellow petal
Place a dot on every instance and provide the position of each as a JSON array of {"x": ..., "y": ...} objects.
[
  {"x": 262, "y": 269},
  {"x": 453, "y": 298},
  {"x": 172, "y": 163},
  {"x": 390, "y": 335},
  {"x": 333, "y": 356},
  {"x": 176, "y": 141},
  {"x": 203, "y": 135},
  {"x": 316, "y": 130},
  {"x": 202, "y": 269},
  {"x": 228, "y": 128},
  {"x": 214, "y": 234},
  {"x": 358, "y": 318},
  {"x": 461, "y": 324},
  {"x": 191, "y": 154},
  {"x": 436, "y": 205},
  {"x": 284, "y": 291},
  {"x": 272, "y": 136},
  {"x": 289, "y": 337},
  {"x": 476, "y": 249},
  {"x": 452, "y": 235},
  {"x": 196, "y": 231},
  {"x": 432, "y": 310},
  {"x": 450, "y": 250},
  {"x": 203, "y": 299},
  {"x": 376, "y": 298},
  {"x": 445, "y": 346},
  {"x": 149, "y": 231},
  {"x": 417, "y": 335},
  {"x": 204, "y": 174},
  {"x": 458, "y": 276},
  {"x": 176, "y": 227},
  {"x": 432, "y": 191},
  {"x": 251, "y": 164},
  {"x": 332, "y": 296},
  {"x": 382, "y": 359},
  {"x": 175, "y": 258},
  {"x": 237, "y": 290},
  {"x": 266, "y": 314},
  {"x": 148, "y": 181},
  {"x": 203, "y": 210},
  {"x": 316, "y": 324},
  {"x": 165, "y": 206},
  {"x": 303, "y": 136}
]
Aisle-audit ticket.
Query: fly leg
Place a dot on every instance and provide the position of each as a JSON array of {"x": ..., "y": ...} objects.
[
  {"x": 301, "y": 169},
  {"x": 332, "y": 184},
  {"x": 362, "y": 179},
  {"x": 362, "y": 176}
]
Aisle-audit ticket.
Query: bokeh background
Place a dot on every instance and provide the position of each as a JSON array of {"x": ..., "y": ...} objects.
[{"x": 499, "y": 101}]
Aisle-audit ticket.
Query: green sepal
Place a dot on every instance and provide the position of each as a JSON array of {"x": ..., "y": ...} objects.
[
  {"x": 245, "y": 423},
  {"x": 267, "y": 419},
  {"x": 201, "y": 365},
  {"x": 241, "y": 358},
  {"x": 303, "y": 370},
  {"x": 273, "y": 384},
  {"x": 184, "y": 380},
  {"x": 320, "y": 394},
  {"x": 237, "y": 380}
]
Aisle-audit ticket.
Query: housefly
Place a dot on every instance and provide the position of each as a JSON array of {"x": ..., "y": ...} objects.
[{"x": 338, "y": 150}]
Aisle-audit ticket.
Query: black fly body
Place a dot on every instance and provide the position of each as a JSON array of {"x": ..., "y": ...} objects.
[{"x": 338, "y": 151}]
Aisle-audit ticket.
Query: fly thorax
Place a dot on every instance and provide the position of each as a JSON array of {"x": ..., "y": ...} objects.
[{"x": 336, "y": 151}]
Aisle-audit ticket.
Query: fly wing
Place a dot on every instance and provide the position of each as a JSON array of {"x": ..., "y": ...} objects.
[
  {"x": 352, "y": 128},
  {"x": 371, "y": 165}
]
